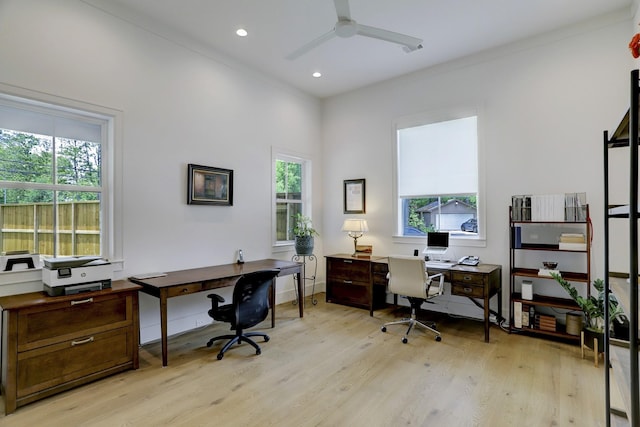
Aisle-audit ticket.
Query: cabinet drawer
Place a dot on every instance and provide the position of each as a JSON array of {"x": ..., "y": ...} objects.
[
  {"x": 467, "y": 278},
  {"x": 349, "y": 293},
  {"x": 51, "y": 323},
  {"x": 348, "y": 269},
  {"x": 49, "y": 366},
  {"x": 467, "y": 289}
]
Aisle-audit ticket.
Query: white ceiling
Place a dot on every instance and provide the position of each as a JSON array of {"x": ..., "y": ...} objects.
[{"x": 449, "y": 29}]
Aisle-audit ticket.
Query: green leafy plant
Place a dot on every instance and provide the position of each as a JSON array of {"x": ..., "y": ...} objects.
[
  {"x": 592, "y": 306},
  {"x": 302, "y": 226}
]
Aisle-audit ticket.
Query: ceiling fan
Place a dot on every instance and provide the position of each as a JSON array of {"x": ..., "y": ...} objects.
[{"x": 347, "y": 27}]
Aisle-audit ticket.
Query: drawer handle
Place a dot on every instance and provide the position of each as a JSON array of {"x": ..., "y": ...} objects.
[
  {"x": 347, "y": 261},
  {"x": 467, "y": 290},
  {"x": 184, "y": 290},
  {"x": 87, "y": 341},
  {"x": 348, "y": 282},
  {"x": 467, "y": 278},
  {"x": 84, "y": 301}
]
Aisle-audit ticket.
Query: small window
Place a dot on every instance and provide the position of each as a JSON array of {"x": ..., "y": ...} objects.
[
  {"x": 292, "y": 195},
  {"x": 437, "y": 177}
]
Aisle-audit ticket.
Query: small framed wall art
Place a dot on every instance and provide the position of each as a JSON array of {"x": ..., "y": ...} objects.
[
  {"x": 209, "y": 186},
  {"x": 354, "y": 196}
]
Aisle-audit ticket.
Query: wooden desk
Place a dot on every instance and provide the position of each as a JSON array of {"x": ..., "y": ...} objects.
[
  {"x": 482, "y": 281},
  {"x": 185, "y": 282}
]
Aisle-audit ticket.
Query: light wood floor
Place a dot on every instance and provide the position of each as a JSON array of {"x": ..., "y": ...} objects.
[{"x": 335, "y": 367}]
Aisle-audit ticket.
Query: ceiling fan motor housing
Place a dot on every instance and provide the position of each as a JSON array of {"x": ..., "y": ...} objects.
[{"x": 346, "y": 28}]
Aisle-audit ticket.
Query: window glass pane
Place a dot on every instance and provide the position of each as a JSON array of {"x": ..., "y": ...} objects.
[
  {"x": 25, "y": 157},
  {"x": 288, "y": 180},
  {"x": 285, "y": 212},
  {"x": 455, "y": 214},
  {"x": 78, "y": 162}
]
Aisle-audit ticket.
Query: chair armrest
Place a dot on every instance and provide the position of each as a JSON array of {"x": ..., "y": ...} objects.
[{"x": 215, "y": 300}]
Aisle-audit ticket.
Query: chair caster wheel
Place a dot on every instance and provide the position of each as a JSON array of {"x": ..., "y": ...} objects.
[
  {"x": 405, "y": 340},
  {"x": 220, "y": 356},
  {"x": 210, "y": 343},
  {"x": 258, "y": 351},
  {"x": 383, "y": 329},
  {"x": 266, "y": 339},
  {"x": 438, "y": 338}
]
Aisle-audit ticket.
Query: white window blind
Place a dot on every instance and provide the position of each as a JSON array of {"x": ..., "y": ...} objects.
[{"x": 438, "y": 158}]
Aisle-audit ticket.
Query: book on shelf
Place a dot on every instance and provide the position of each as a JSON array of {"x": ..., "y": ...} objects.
[
  {"x": 545, "y": 322},
  {"x": 517, "y": 314},
  {"x": 545, "y": 272},
  {"x": 572, "y": 238},
  {"x": 549, "y": 207},
  {"x": 572, "y": 246}
]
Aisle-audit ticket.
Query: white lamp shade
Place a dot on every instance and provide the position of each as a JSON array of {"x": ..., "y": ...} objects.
[{"x": 355, "y": 225}]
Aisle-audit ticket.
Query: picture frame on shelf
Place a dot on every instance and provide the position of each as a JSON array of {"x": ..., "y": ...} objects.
[
  {"x": 208, "y": 185},
  {"x": 354, "y": 196}
]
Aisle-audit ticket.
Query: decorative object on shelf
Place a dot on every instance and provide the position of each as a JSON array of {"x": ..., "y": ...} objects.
[
  {"x": 354, "y": 196},
  {"x": 209, "y": 186},
  {"x": 634, "y": 45},
  {"x": 355, "y": 229},
  {"x": 593, "y": 305},
  {"x": 550, "y": 265},
  {"x": 304, "y": 232}
]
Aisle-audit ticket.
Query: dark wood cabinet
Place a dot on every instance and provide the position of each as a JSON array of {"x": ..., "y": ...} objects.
[
  {"x": 51, "y": 344},
  {"x": 357, "y": 281}
]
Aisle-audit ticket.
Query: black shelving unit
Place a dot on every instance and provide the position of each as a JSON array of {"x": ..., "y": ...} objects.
[{"x": 621, "y": 355}]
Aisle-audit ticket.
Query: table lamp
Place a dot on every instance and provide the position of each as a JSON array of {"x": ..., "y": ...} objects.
[{"x": 355, "y": 228}]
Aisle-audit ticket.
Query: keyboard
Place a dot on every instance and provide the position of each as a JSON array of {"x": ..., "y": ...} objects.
[{"x": 439, "y": 264}]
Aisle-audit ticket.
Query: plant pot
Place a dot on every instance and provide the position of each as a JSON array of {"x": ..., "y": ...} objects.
[
  {"x": 304, "y": 245},
  {"x": 589, "y": 335}
]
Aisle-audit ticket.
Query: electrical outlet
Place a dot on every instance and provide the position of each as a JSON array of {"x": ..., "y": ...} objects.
[{"x": 201, "y": 322}]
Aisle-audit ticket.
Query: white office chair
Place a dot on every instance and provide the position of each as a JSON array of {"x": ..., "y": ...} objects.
[{"x": 408, "y": 277}]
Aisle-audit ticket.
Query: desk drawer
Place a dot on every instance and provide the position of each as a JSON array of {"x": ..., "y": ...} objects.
[
  {"x": 349, "y": 269},
  {"x": 467, "y": 278},
  {"x": 184, "y": 290},
  {"x": 467, "y": 289}
]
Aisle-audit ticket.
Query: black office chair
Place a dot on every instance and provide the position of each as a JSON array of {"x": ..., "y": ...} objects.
[{"x": 250, "y": 306}]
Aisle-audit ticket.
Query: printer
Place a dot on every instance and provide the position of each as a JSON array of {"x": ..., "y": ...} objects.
[{"x": 73, "y": 275}]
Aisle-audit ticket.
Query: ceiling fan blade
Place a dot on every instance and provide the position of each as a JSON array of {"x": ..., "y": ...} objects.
[
  {"x": 307, "y": 47},
  {"x": 410, "y": 43},
  {"x": 342, "y": 10}
]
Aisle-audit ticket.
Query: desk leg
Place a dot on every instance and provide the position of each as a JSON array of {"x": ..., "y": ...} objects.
[
  {"x": 300, "y": 292},
  {"x": 272, "y": 301},
  {"x": 163, "y": 325},
  {"x": 486, "y": 317}
]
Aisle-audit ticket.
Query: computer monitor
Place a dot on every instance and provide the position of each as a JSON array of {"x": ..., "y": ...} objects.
[{"x": 437, "y": 243}]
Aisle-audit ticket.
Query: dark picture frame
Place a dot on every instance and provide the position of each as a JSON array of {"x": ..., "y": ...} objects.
[
  {"x": 209, "y": 186},
  {"x": 354, "y": 196}
]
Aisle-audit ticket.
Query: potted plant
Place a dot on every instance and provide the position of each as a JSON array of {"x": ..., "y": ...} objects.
[
  {"x": 304, "y": 232},
  {"x": 593, "y": 307}
]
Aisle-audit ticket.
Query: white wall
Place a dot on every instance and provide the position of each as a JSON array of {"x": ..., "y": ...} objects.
[
  {"x": 544, "y": 105},
  {"x": 178, "y": 107},
  {"x": 546, "y": 102}
]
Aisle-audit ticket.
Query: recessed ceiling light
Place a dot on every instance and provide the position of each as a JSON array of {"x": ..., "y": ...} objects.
[
  {"x": 317, "y": 74},
  {"x": 241, "y": 32}
]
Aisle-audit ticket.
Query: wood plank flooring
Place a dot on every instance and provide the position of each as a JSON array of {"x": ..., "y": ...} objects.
[{"x": 335, "y": 367}]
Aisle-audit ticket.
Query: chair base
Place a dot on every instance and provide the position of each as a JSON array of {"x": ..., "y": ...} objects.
[
  {"x": 412, "y": 321},
  {"x": 238, "y": 338}
]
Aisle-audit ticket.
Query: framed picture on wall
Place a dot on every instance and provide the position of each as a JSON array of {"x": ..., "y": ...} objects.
[
  {"x": 209, "y": 186},
  {"x": 354, "y": 196}
]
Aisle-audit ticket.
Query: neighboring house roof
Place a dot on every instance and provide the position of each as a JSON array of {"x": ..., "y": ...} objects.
[{"x": 452, "y": 206}]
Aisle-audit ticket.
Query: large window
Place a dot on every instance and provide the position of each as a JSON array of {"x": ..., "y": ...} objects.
[
  {"x": 53, "y": 189},
  {"x": 437, "y": 177},
  {"x": 292, "y": 194}
]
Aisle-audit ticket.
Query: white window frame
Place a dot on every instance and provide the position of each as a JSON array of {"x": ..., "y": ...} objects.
[
  {"x": 305, "y": 197},
  {"x": 111, "y": 205},
  {"x": 430, "y": 117}
]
